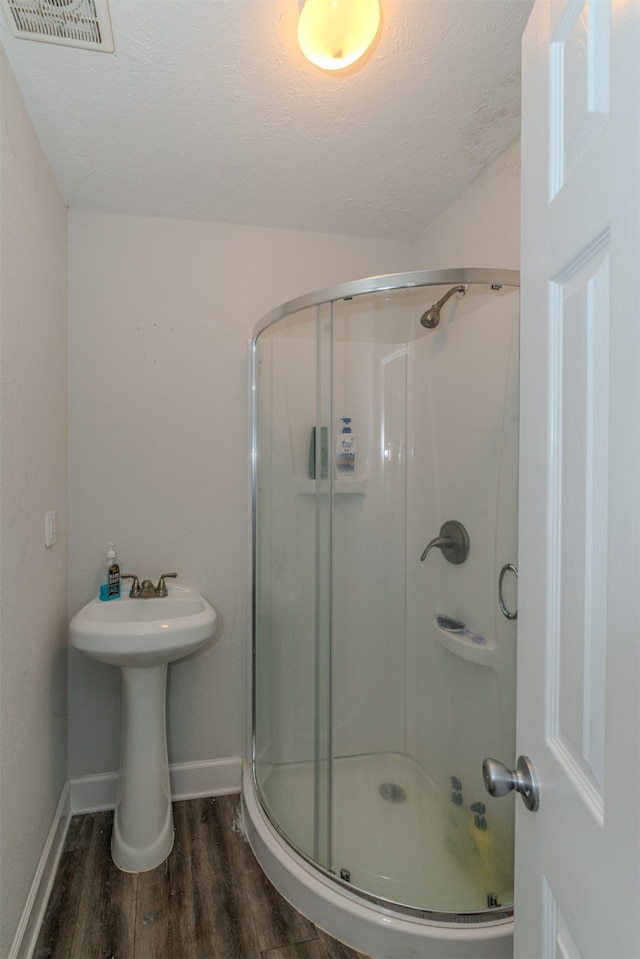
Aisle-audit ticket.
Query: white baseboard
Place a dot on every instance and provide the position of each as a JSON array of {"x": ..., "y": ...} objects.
[
  {"x": 26, "y": 935},
  {"x": 93, "y": 793},
  {"x": 218, "y": 777}
]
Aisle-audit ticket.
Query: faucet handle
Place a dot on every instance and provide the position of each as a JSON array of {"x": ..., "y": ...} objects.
[
  {"x": 161, "y": 589},
  {"x": 453, "y": 540},
  {"x": 135, "y": 586}
]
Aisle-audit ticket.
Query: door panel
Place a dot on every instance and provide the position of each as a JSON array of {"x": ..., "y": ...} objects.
[{"x": 578, "y": 858}]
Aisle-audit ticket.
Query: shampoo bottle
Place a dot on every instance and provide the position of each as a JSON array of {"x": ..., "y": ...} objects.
[
  {"x": 346, "y": 450},
  {"x": 110, "y": 589}
]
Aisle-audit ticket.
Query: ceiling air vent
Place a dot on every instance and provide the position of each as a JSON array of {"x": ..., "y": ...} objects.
[{"x": 75, "y": 23}]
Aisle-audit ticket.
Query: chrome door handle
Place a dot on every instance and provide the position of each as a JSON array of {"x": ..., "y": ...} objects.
[{"x": 499, "y": 780}]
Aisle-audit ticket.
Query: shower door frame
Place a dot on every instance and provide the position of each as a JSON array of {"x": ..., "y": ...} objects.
[{"x": 370, "y": 285}]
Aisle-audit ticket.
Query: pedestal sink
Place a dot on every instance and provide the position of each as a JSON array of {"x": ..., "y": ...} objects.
[{"x": 142, "y": 636}]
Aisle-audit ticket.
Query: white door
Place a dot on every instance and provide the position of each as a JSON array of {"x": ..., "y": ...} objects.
[{"x": 578, "y": 858}]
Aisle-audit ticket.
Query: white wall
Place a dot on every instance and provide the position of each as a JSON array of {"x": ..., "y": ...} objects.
[
  {"x": 482, "y": 228},
  {"x": 160, "y": 315},
  {"x": 33, "y": 478}
]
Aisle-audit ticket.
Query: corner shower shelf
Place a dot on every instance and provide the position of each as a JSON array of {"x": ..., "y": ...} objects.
[
  {"x": 459, "y": 645},
  {"x": 305, "y": 487}
]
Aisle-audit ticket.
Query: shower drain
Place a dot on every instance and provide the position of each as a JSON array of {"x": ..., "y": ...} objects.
[{"x": 392, "y": 792}]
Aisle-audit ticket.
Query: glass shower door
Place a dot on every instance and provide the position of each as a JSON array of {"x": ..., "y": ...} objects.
[
  {"x": 292, "y": 589},
  {"x": 368, "y": 589},
  {"x": 415, "y": 710}
]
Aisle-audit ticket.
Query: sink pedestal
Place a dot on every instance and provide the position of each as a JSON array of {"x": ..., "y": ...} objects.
[
  {"x": 143, "y": 824},
  {"x": 142, "y": 636}
]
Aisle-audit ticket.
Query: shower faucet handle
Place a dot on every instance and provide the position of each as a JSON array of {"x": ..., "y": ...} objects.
[
  {"x": 453, "y": 541},
  {"x": 438, "y": 542}
]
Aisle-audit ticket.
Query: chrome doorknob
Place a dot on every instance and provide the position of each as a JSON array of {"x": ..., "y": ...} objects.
[{"x": 499, "y": 780}]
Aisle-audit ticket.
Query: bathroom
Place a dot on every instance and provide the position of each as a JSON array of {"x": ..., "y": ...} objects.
[{"x": 118, "y": 327}]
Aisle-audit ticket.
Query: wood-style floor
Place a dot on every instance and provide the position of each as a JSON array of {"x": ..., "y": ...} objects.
[{"x": 209, "y": 900}]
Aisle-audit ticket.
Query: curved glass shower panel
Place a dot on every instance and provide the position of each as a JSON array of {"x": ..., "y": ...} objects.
[
  {"x": 414, "y": 709},
  {"x": 291, "y": 598},
  {"x": 369, "y": 362},
  {"x": 374, "y": 769}
]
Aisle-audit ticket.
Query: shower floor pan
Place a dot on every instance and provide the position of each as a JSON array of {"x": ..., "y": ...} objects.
[
  {"x": 417, "y": 851},
  {"x": 408, "y": 852}
]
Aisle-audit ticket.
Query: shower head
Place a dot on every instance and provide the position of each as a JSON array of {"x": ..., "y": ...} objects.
[{"x": 431, "y": 318}]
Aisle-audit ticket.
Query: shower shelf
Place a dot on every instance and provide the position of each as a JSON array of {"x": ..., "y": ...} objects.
[
  {"x": 352, "y": 487},
  {"x": 459, "y": 645}
]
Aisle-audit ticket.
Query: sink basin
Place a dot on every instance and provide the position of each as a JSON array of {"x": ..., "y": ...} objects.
[
  {"x": 144, "y": 632},
  {"x": 142, "y": 636}
]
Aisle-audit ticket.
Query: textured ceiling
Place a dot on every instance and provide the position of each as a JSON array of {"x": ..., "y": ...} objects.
[{"x": 208, "y": 110}]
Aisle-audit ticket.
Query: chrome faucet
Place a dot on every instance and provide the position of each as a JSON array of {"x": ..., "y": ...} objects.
[{"x": 146, "y": 589}]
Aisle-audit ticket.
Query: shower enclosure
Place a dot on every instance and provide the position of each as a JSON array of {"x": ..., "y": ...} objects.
[{"x": 371, "y": 718}]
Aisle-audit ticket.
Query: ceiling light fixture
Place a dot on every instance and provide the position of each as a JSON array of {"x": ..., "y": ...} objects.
[{"x": 333, "y": 34}]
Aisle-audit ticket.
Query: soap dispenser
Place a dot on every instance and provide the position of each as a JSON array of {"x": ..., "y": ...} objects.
[
  {"x": 346, "y": 449},
  {"x": 110, "y": 589}
]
